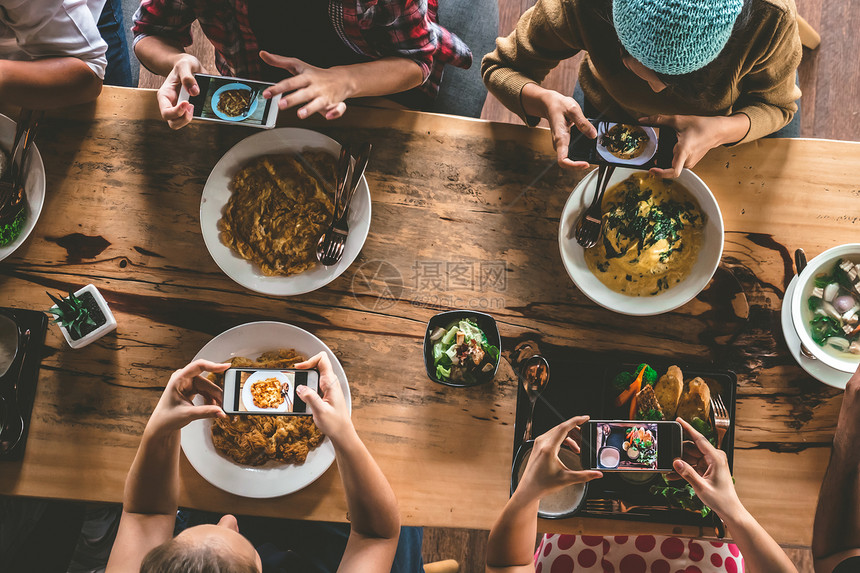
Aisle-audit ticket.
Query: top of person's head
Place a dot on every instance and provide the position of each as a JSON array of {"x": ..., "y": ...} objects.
[
  {"x": 201, "y": 554},
  {"x": 675, "y": 37}
]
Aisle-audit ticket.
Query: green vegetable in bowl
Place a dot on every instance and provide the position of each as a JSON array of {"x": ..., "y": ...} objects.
[{"x": 461, "y": 353}]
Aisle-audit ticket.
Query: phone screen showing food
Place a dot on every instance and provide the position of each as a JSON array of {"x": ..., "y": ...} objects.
[
  {"x": 268, "y": 391},
  {"x": 634, "y": 446},
  {"x": 231, "y": 100},
  {"x": 625, "y": 145}
]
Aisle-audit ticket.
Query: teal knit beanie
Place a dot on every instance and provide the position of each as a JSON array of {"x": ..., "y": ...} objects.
[{"x": 674, "y": 37}]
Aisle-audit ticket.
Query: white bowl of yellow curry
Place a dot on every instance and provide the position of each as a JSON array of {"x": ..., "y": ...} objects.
[{"x": 661, "y": 241}]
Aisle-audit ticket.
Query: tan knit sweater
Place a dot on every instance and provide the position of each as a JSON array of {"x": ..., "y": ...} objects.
[{"x": 754, "y": 74}]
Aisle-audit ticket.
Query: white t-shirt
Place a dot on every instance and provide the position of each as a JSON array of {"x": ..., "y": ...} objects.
[{"x": 37, "y": 29}]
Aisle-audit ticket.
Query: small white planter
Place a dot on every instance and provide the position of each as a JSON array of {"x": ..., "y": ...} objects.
[{"x": 108, "y": 326}]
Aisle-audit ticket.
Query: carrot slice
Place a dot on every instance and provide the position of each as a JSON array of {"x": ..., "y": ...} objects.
[{"x": 631, "y": 390}]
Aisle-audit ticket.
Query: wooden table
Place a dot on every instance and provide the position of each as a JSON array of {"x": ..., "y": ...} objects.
[{"x": 449, "y": 194}]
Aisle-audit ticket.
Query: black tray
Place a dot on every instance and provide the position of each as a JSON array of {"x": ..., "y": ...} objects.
[
  {"x": 25, "y": 395},
  {"x": 578, "y": 384}
]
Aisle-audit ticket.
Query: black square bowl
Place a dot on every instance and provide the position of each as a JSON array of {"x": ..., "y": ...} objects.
[{"x": 444, "y": 319}]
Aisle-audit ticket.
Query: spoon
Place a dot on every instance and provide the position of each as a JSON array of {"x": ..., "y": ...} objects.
[
  {"x": 800, "y": 264},
  {"x": 535, "y": 377}
]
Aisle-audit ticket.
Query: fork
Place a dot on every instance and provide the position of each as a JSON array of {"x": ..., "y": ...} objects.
[
  {"x": 721, "y": 418},
  {"x": 13, "y": 199},
  {"x": 615, "y": 506},
  {"x": 9, "y": 181},
  {"x": 328, "y": 237},
  {"x": 589, "y": 224},
  {"x": 335, "y": 237}
]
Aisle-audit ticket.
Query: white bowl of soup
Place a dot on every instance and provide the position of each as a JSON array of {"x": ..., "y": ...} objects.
[
  {"x": 825, "y": 307},
  {"x": 661, "y": 241}
]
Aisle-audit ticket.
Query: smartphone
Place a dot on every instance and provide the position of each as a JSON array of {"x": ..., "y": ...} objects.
[
  {"x": 630, "y": 446},
  {"x": 625, "y": 145},
  {"x": 267, "y": 391},
  {"x": 232, "y": 100}
]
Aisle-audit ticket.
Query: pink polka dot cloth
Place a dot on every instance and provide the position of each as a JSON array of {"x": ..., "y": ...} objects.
[{"x": 635, "y": 554}]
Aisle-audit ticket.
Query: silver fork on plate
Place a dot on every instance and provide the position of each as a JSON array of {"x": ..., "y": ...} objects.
[
  {"x": 12, "y": 195},
  {"x": 333, "y": 242},
  {"x": 721, "y": 418},
  {"x": 588, "y": 226}
]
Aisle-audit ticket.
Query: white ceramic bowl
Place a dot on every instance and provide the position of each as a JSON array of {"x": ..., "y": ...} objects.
[
  {"x": 800, "y": 314},
  {"x": 573, "y": 256},
  {"x": 34, "y": 188}
]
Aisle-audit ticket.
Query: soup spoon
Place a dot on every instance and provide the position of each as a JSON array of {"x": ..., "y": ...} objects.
[{"x": 535, "y": 377}]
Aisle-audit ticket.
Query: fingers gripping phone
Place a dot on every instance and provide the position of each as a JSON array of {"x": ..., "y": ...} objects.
[
  {"x": 268, "y": 392},
  {"x": 232, "y": 100},
  {"x": 625, "y": 145},
  {"x": 633, "y": 446}
]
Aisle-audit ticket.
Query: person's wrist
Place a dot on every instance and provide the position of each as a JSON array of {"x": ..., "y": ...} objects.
[
  {"x": 191, "y": 60},
  {"x": 159, "y": 429},
  {"x": 528, "y": 491},
  {"x": 548, "y": 100},
  {"x": 731, "y": 508},
  {"x": 349, "y": 82},
  {"x": 342, "y": 432},
  {"x": 733, "y": 128}
]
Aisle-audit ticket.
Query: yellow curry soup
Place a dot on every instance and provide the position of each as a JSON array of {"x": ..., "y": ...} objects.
[{"x": 652, "y": 234}]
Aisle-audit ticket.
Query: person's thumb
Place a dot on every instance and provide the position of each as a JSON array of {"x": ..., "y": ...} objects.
[
  {"x": 583, "y": 476},
  {"x": 202, "y": 412},
  {"x": 687, "y": 472},
  {"x": 310, "y": 397}
]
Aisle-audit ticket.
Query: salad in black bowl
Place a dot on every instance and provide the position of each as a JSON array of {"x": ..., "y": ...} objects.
[{"x": 461, "y": 348}]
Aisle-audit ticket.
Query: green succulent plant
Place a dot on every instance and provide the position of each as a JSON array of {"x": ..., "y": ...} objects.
[{"x": 71, "y": 313}]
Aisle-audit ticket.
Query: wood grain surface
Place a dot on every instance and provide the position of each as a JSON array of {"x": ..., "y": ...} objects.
[{"x": 123, "y": 195}]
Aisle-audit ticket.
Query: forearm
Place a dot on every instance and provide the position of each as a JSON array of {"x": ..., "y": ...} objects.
[
  {"x": 152, "y": 485},
  {"x": 512, "y": 538},
  {"x": 837, "y": 517},
  {"x": 381, "y": 77},
  {"x": 761, "y": 553},
  {"x": 157, "y": 54},
  {"x": 372, "y": 505},
  {"x": 48, "y": 84}
]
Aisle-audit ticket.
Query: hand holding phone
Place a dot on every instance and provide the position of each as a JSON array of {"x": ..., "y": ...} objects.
[
  {"x": 175, "y": 408},
  {"x": 177, "y": 113},
  {"x": 710, "y": 477},
  {"x": 330, "y": 410},
  {"x": 545, "y": 472}
]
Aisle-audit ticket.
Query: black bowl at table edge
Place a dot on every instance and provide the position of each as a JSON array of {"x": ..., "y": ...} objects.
[
  {"x": 485, "y": 322},
  {"x": 524, "y": 449}
]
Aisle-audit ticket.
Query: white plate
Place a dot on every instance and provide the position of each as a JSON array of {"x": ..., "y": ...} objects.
[
  {"x": 216, "y": 193},
  {"x": 815, "y": 368},
  {"x": 272, "y": 479},
  {"x": 573, "y": 256},
  {"x": 34, "y": 188},
  {"x": 641, "y": 159}
]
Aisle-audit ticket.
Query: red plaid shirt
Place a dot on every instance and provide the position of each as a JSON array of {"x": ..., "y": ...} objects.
[{"x": 410, "y": 29}]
